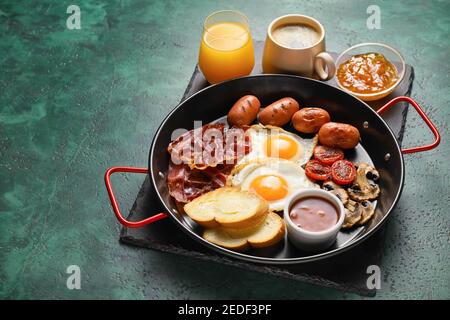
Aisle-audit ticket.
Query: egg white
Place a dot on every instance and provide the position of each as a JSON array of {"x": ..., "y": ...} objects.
[
  {"x": 259, "y": 135},
  {"x": 243, "y": 175}
]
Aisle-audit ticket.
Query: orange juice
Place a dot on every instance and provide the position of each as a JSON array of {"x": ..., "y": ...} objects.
[{"x": 226, "y": 51}]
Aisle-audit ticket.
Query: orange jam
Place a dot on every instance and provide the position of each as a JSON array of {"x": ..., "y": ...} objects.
[{"x": 367, "y": 73}]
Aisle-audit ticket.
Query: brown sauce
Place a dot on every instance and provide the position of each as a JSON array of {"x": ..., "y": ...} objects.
[
  {"x": 367, "y": 73},
  {"x": 314, "y": 214}
]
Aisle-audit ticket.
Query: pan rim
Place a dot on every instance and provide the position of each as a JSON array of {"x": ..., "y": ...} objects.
[{"x": 267, "y": 260}]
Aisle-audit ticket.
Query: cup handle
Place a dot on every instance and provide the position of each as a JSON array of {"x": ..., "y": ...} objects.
[{"x": 319, "y": 61}]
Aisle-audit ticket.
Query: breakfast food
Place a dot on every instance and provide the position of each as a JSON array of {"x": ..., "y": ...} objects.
[
  {"x": 309, "y": 120},
  {"x": 269, "y": 232},
  {"x": 343, "y": 172},
  {"x": 357, "y": 197},
  {"x": 317, "y": 171},
  {"x": 367, "y": 73},
  {"x": 274, "y": 142},
  {"x": 357, "y": 213},
  {"x": 297, "y": 36},
  {"x": 226, "y": 49},
  {"x": 328, "y": 155},
  {"x": 196, "y": 168},
  {"x": 209, "y": 146},
  {"x": 244, "y": 111},
  {"x": 353, "y": 214},
  {"x": 337, "y": 190},
  {"x": 227, "y": 207},
  {"x": 368, "y": 210},
  {"x": 365, "y": 186},
  {"x": 232, "y": 180},
  {"x": 339, "y": 135},
  {"x": 314, "y": 214},
  {"x": 279, "y": 113},
  {"x": 272, "y": 179},
  {"x": 186, "y": 184}
]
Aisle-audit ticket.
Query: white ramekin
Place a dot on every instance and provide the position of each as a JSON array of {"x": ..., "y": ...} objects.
[{"x": 312, "y": 240}]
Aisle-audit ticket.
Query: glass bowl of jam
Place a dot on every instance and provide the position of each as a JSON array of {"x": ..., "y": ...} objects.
[{"x": 369, "y": 71}]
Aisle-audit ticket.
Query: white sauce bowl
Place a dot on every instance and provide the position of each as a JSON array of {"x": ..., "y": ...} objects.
[{"x": 313, "y": 240}]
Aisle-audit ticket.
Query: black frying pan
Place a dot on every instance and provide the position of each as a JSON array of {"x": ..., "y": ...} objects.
[{"x": 378, "y": 146}]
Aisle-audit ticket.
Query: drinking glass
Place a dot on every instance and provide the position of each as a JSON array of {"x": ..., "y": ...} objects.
[{"x": 226, "y": 49}]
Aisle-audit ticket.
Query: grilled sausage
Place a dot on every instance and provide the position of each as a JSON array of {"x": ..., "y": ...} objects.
[
  {"x": 309, "y": 120},
  {"x": 338, "y": 135},
  {"x": 244, "y": 111},
  {"x": 279, "y": 113}
]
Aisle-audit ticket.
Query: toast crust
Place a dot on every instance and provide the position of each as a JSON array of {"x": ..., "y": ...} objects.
[
  {"x": 267, "y": 233},
  {"x": 227, "y": 207}
]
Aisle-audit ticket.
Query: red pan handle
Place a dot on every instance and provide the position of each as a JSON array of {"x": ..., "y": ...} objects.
[
  {"x": 112, "y": 198},
  {"x": 434, "y": 130}
]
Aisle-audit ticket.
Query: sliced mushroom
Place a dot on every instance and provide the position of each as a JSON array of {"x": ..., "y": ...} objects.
[
  {"x": 337, "y": 190},
  {"x": 357, "y": 213},
  {"x": 353, "y": 214},
  {"x": 365, "y": 187},
  {"x": 368, "y": 210}
]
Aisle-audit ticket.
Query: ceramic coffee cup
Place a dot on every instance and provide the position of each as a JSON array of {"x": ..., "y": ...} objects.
[{"x": 308, "y": 59}]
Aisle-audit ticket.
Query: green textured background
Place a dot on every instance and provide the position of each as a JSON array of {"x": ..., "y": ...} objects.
[{"x": 73, "y": 103}]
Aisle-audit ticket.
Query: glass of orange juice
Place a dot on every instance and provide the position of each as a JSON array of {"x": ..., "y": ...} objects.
[{"x": 226, "y": 50}]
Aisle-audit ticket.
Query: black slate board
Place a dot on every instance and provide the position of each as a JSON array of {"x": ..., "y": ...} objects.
[{"x": 346, "y": 272}]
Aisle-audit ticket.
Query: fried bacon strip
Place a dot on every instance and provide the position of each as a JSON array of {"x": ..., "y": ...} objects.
[
  {"x": 209, "y": 146},
  {"x": 186, "y": 184},
  {"x": 201, "y": 160}
]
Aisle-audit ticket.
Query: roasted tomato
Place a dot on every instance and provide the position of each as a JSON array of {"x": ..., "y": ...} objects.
[
  {"x": 315, "y": 170},
  {"x": 328, "y": 155},
  {"x": 343, "y": 172}
]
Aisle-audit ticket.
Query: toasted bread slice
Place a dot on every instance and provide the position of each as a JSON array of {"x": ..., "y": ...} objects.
[
  {"x": 227, "y": 207},
  {"x": 267, "y": 233}
]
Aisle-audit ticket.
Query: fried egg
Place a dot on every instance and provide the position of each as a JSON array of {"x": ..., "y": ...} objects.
[
  {"x": 274, "y": 142},
  {"x": 272, "y": 179}
]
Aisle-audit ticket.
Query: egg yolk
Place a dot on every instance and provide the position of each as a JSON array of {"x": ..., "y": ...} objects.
[
  {"x": 281, "y": 147},
  {"x": 270, "y": 187}
]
